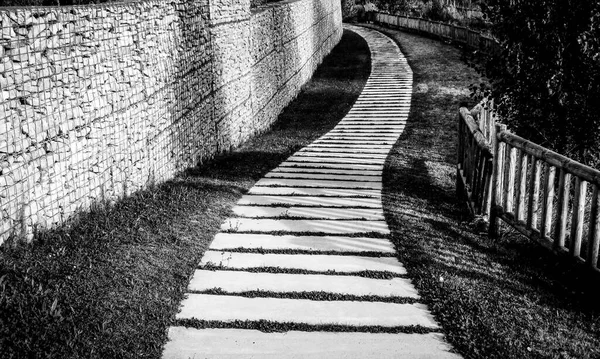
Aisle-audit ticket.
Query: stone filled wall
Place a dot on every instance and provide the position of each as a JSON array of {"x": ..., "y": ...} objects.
[{"x": 99, "y": 101}]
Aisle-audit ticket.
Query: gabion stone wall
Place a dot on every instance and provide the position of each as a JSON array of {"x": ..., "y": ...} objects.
[{"x": 99, "y": 101}]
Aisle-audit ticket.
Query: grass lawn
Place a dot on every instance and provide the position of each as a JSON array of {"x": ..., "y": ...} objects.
[
  {"x": 507, "y": 298},
  {"x": 109, "y": 284}
]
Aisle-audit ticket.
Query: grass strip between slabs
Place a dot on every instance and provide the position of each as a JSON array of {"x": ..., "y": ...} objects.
[
  {"x": 267, "y": 326},
  {"x": 315, "y": 295},
  {"x": 364, "y": 274}
]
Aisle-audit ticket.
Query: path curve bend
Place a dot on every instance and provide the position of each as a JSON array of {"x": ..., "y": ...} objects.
[{"x": 307, "y": 253}]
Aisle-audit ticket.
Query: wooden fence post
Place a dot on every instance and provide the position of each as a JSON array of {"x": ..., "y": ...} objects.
[{"x": 496, "y": 183}]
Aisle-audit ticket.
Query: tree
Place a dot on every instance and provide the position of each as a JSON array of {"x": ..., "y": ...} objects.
[{"x": 547, "y": 78}]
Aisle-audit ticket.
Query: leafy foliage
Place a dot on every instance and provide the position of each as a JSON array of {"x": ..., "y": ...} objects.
[{"x": 547, "y": 79}]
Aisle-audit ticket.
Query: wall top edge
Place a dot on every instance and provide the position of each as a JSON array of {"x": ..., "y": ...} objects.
[
  {"x": 274, "y": 5},
  {"x": 86, "y": 6}
]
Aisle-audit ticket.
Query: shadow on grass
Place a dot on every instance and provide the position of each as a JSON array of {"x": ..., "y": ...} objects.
[
  {"x": 507, "y": 298},
  {"x": 108, "y": 283}
]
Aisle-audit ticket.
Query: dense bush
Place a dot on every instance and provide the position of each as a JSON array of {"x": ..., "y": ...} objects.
[{"x": 547, "y": 79}]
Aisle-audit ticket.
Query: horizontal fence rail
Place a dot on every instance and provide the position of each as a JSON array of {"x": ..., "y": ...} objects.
[
  {"x": 474, "y": 165},
  {"x": 471, "y": 38},
  {"x": 546, "y": 196}
]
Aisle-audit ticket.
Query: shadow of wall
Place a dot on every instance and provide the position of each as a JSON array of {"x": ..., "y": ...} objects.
[{"x": 99, "y": 101}]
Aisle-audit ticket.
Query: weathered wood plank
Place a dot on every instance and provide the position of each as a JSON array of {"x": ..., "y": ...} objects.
[
  {"x": 578, "y": 216},
  {"x": 564, "y": 187}
]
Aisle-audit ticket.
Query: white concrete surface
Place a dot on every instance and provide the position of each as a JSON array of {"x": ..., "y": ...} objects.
[
  {"x": 351, "y": 313},
  {"x": 310, "y": 262},
  {"x": 308, "y": 212},
  {"x": 186, "y": 343},
  {"x": 238, "y": 282},
  {"x": 305, "y": 226},
  {"x": 224, "y": 241}
]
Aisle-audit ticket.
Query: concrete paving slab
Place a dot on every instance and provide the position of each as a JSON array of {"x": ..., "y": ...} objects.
[
  {"x": 238, "y": 282},
  {"x": 333, "y": 171},
  {"x": 350, "y": 145},
  {"x": 352, "y": 313},
  {"x": 317, "y": 183},
  {"x": 308, "y": 212},
  {"x": 360, "y": 136},
  {"x": 323, "y": 176},
  {"x": 304, "y": 226},
  {"x": 332, "y": 154},
  {"x": 186, "y": 343},
  {"x": 311, "y": 262},
  {"x": 338, "y": 160},
  {"x": 349, "y": 166},
  {"x": 224, "y": 241},
  {"x": 317, "y": 192},
  {"x": 359, "y": 141},
  {"x": 346, "y": 150},
  {"x": 367, "y": 129},
  {"x": 291, "y": 201}
]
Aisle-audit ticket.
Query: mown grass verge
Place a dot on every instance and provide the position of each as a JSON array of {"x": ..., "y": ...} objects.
[
  {"x": 507, "y": 298},
  {"x": 108, "y": 284}
]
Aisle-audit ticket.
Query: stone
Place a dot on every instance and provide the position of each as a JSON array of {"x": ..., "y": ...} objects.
[
  {"x": 265, "y": 200},
  {"x": 351, "y": 313},
  {"x": 311, "y": 262},
  {"x": 239, "y": 282},
  {"x": 225, "y": 241},
  {"x": 307, "y": 212},
  {"x": 319, "y": 192},
  {"x": 185, "y": 343},
  {"x": 323, "y": 176},
  {"x": 343, "y": 166},
  {"x": 320, "y": 183}
]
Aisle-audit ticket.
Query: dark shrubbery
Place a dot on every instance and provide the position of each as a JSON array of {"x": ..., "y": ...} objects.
[{"x": 547, "y": 79}]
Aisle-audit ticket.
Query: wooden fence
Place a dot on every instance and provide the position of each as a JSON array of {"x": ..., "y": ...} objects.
[
  {"x": 474, "y": 165},
  {"x": 459, "y": 34},
  {"x": 546, "y": 196}
]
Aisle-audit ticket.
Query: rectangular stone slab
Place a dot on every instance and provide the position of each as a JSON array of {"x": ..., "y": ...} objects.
[
  {"x": 312, "y": 262},
  {"x": 224, "y": 241},
  {"x": 352, "y": 313},
  {"x": 333, "y": 154},
  {"x": 360, "y": 141},
  {"x": 350, "y": 166},
  {"x": 341, "y": 149},
  {"x": 348, "y": 172},
  {"x": 238, "y": 282},
  {"x": 329, "y": 159},
  {"x": 310, "y": 201},
  {"x": 186, "y": 343},
  {"x": 324, "y": 176},
  {"x": 317, "y": 192},
  {"x": 352, "y": 146},
  {"x": 304, "y": 225},
  {"x": 317, "y": 183},
  {"x": 308, "y": 212}
]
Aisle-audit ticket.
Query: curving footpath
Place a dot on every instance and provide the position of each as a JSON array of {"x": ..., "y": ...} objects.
[{"x": 306, "y": 258}]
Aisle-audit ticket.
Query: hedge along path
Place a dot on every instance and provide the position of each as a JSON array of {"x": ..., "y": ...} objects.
[{"x": 285, "y": 277}]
